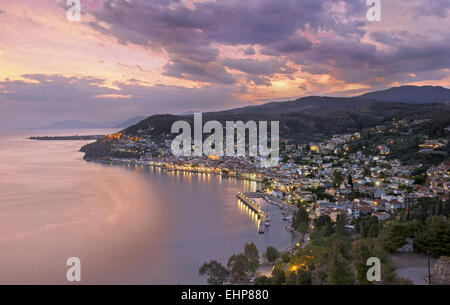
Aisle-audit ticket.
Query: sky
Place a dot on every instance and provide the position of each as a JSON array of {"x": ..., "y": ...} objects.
[{"x": 128, "y": 58}]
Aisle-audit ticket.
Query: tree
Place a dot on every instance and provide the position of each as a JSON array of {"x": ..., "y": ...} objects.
[
  {"x": 301, "y": 220},
  {"x": 252, "y": 254},
  {"x": 262, "y": 280},
  {"x": 362, "y": 250},
  {"x": 366, "y": 171},
  {"x": 238, "y": 268},
  {"x": 291, "y": 279},
  {"x": 350, "y": 181},
  {"x": 278, "y": 276},
  {"x": 427, "y": 207},
  {"x": 394, "y": 235},
  {"x": 323, "y": 225},
  {"x": 340, "y": 272},
  {"x": 337, "y": 178},
  {"x": 272, "y": 254},
  {"x": 304, "y": 277},
  {"x": 216, "y": 273},
  {"x": 341, "y": 222},
  {"x": 446, "y": 208},
  {"x": 435, "y": 238},
  {"x": 369, "y": 226},
  {"x": 285, "y": 257}
]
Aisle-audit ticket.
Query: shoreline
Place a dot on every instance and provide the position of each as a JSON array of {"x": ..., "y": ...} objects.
[
  {"x": 296, "y": 236},
  {"x": 169, "y": 167}
]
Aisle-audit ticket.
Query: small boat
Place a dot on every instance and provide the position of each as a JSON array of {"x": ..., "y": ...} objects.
[
  {"x": 267, "y": 222},
  {"x": 289, "y": 228}
]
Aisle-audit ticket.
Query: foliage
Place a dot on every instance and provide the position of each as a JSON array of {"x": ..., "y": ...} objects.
[
  {"x": 394, "y": 235},
  {"x": 238, "y": 267},
  {"x": 301, "y": 220},
  {"x": 428, "y": 207},
  {"x": 435, "y": 238},
  {"x": 278, "y": 275},
  {"x": 337, "y": 178},
  {"x": 340, "y": 271},
  {"x": 368, "y": 226},
  {"x": 322, "y": 226},
  {"x": 262, "y": 280},
  {"x": 251, "y": 252},
  {"x": 216, "y": 273},
  {"x": 272, "y": 254}
]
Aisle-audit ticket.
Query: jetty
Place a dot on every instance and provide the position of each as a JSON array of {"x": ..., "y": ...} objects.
[{"x": 249, "y": 200}]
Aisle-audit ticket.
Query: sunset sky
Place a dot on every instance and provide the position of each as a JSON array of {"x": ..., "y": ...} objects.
[{"x": 139, "y": 57}]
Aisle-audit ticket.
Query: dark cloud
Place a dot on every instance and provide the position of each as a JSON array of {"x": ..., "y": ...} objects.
[
  {"x": 188, "y": 35},
  {"x": 389, "y": 37},
  {"x": 256, "y": 67},
  {"x": 438, "y": 8},
  {"x": 210, "y": 72},
  {"x": 249, "y": 51},
  {"x": 290, "y": 45},
  {"x": 43, "y": 88}
]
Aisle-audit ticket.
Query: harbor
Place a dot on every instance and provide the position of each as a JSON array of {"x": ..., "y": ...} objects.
[{"x": 256, "y": 200}]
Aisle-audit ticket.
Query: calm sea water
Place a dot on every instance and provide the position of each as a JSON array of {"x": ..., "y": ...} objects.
[{"x": 127, "y": 225}]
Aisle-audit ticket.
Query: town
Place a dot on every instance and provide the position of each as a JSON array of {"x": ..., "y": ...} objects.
[
  {"x": 381, "y": 183},
  {"x": 330, "y": 177}
]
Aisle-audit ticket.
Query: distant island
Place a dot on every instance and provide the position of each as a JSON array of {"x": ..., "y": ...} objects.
[{"x": 67, "y": 138}]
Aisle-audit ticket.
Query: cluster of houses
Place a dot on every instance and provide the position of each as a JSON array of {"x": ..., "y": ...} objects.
[{"x": 369, "y": 184}]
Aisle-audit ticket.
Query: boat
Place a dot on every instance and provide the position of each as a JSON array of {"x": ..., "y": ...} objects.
[
  {"x": 261, "y": 230},
  {"x": 267, "y": 220}
]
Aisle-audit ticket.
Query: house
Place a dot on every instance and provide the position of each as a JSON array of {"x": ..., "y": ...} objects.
[
  {"x": 403, "y": 181},
  {"x": 334, "y": 212},
  {"x": 379, "y": 192},
  {"x": 381, "y": 215},
  {"x": 357, "y": 210},
  {"x": 278, "y": 193},
  {"x": 408, "y": 247},
  {"x": 394, "y": 205}
]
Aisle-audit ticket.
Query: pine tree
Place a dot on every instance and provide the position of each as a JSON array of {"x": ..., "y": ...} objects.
[{"x": 340, "y": 271}]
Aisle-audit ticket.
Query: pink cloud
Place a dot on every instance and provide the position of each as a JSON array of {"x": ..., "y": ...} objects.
[{"x": 92, "y": 5}]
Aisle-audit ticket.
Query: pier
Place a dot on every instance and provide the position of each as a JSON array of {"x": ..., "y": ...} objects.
[{"x": 247, "y": 200}]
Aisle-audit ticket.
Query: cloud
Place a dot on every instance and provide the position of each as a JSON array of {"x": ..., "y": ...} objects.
[
  {"x": 249, "y": 51},
  {"x": 47, "y": 96},
  {"x": 438, "y": 8},
  {"x": 224, "y": 51},
  {"x": 322, "y": 37},
  {"x": 189, "y": 35},
  {"x": 256, "y": 67},
  {"x": 291, "y": 44}
]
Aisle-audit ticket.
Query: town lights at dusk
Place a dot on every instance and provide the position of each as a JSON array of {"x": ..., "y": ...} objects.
[{"x": 225, "y": 151}]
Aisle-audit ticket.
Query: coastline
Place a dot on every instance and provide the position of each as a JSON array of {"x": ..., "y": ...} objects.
[
  {"x": 295, "y": 236},
  {"x": 170, "y": 167}
]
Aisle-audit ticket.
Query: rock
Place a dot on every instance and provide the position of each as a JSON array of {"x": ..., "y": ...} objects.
[{"x": 441, "y": 273}]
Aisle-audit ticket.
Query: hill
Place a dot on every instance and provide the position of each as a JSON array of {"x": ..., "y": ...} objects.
[
  {"x": 310, "y": 118},
  {"x": 411, "y": 94}
]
